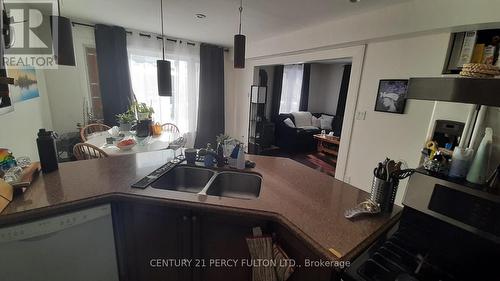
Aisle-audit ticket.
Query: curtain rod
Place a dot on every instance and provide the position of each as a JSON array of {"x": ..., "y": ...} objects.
[{"x": 141, "y": 34}]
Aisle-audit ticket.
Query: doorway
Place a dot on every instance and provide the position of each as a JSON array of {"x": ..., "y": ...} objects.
[
  {"x": 240, "y": 123},
  {"x": 302, "y": 112}
]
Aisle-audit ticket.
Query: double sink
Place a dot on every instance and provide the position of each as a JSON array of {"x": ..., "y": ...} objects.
[{"x": 209, "y": 182}]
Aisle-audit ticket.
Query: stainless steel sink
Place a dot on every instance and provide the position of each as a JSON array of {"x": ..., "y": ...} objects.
[
  {"x": 186, "y": 179},
  {"x": 209, "y": 182},
  {"x": 235, "y": 185}
]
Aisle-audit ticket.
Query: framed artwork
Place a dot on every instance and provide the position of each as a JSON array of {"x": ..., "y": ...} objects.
[
  {"x": 25, "y": 84},
  {"x": 391, "y": 96},
  {"x": 258, "y": 94}
]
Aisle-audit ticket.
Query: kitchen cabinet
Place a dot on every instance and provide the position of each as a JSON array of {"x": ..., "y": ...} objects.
[
  {"x": 153, "y": 235},
  {"x": 223, "y": 236},
  {"x": 149, "y": 232},
  {"x": 297, "y": 250}
]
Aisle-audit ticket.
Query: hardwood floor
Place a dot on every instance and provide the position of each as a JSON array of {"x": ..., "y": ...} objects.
[{"x": 318, "y": 161}]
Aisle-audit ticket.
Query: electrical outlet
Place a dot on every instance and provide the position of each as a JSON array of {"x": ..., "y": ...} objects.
[{"x": 360, "y": 115}]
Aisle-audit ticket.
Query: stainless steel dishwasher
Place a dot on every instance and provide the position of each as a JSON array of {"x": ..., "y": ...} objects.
[{"x": 74, "y": 246}]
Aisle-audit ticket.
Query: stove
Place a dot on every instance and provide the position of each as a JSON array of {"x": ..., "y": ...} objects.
[{"x": 448, "y": 231}]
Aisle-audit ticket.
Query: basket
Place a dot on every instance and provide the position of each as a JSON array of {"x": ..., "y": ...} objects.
[{"x": 383, "y": 193}]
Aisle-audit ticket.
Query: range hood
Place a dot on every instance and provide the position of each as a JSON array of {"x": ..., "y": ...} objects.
[{"x": 480, "y": 91}]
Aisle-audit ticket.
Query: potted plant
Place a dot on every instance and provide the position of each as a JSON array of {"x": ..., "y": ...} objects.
[
  {"x": 126, "y": 120},
  {"x": 144, "y": 112}
]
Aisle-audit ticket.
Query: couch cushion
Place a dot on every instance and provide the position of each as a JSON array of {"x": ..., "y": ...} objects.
[
  {"x": 326, "y": 122},
  {"x": 302, "y": 118},
  {"x": 316, "y": 122},
  {"x": 289, "y": 123}
]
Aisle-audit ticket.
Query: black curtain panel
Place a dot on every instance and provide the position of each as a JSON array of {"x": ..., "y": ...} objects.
[
  {"x": 211, "y": 100},
  {"x": 114, "y": 73},
  {"x": 276, "y": 98},
  {"x": 344, "y": 88},
  {"x": 263, "y": 78},
  {"x": 304, "y": 93}
]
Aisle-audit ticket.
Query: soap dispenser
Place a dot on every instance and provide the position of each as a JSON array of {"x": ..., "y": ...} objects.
[
  {"x": 209, "y": 157},
  {"x": 233, "y": 158},
  {"x": 479, "y": 169},
  {"x": 240, "y": 161}
]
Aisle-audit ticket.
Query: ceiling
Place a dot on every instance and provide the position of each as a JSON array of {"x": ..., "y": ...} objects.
[{"x": 261, "y": 18}]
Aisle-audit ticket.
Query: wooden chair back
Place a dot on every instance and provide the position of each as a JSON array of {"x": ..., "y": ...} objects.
[
  {"x": 85, "y": 151},
  {"x": 170, "y": 128},
  {"x": 92, "y": 128}
]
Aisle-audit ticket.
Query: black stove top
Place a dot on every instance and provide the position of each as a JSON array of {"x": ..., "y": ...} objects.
[
  {"x": 421, "y": 248},
  {"x": 399, "y": 259},
  {"x": 447, "y": 232}
]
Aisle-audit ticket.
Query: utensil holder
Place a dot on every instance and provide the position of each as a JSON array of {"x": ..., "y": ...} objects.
[{"x": 383, "y": 193}]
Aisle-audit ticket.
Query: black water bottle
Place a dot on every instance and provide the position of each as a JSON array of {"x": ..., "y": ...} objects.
[{"x": 47, "y": 150}]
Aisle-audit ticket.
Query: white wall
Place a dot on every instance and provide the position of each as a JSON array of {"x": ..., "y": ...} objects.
[
  {"x": 324, "y": 87},
  {"x": 397, "y": 136},
  {"x": 406, "y": 19},
  {"x": 68, "y": 86},
  {"x": 19, "y": 128}
]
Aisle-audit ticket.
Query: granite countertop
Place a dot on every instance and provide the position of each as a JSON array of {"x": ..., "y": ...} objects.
[{"x": 308, "y": 202}]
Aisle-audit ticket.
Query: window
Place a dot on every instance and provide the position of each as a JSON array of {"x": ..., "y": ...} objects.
[
  {"x": 291, "y": 88},
  {"x": 93, "y": 78},
  {"x": 145, "y": 86},
  {"x": 182, "y": 107}
]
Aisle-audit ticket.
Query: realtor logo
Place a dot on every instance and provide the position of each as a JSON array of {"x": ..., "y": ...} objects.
[{"x": 30, "y": 43}]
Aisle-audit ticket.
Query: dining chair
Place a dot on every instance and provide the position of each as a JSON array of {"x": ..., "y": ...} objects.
[
  {"x": 92, "y": 128},
  {"x": 85, "y": 151},
  {"x": 170, "y": 128}
]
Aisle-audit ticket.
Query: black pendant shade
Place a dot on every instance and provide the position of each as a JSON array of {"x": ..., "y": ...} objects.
[
  {"x": 163, "y": 68},
  {"x": 239, "y": 51},
  {"x": 164, "y": 78},
  {"x": 62, "y": 40}
]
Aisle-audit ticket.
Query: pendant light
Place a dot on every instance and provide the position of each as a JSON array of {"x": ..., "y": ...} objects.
[
  {"x": 63, "y": 33},
  {"x": 239, "y": 45},
  {"x": 163, "y": 67}
]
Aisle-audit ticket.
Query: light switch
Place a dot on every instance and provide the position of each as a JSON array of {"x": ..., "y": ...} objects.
[{"x": 360, "y": 115}]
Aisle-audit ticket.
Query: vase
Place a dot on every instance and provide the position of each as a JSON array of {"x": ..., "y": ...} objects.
[{"x": 125, "y": 127}]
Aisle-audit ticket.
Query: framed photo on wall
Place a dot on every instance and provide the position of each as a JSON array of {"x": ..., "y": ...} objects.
[{"x": 391, "y": 96}]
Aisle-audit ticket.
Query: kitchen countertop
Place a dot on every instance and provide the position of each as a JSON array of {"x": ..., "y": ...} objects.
[{"x": 308, "y": 202}]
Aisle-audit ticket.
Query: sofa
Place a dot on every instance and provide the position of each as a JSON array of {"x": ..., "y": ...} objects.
[{"x": 297, "y": 139}]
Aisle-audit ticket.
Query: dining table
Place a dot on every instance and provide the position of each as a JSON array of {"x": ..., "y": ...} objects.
[{"x": 146, "y": 144}]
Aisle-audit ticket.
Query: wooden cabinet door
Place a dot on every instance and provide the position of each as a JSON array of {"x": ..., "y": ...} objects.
[
  {"x": 223, "y": 237},
  {"x": 156, "y": 236},
  {"x": 297, "y": 250}
]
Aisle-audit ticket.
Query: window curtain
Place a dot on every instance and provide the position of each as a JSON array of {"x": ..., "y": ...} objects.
[
  {"x": 344, "y": 89},
  {"x": 181, "y": 108},
  {"x": 291, "y": 88},
  {"x": 114, "y": 74},
  {"x": 211, "y": 111},
  {"x": 304, "y": 91},
  {"x": 276, "y": 97}
]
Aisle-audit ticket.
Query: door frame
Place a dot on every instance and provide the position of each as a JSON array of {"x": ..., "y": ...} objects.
[{"x": 357, "y": 55}]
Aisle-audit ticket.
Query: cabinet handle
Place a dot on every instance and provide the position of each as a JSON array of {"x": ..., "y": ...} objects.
[
  {"x": 184, "y": 218},
  {"x": 194, "y": 218}
]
